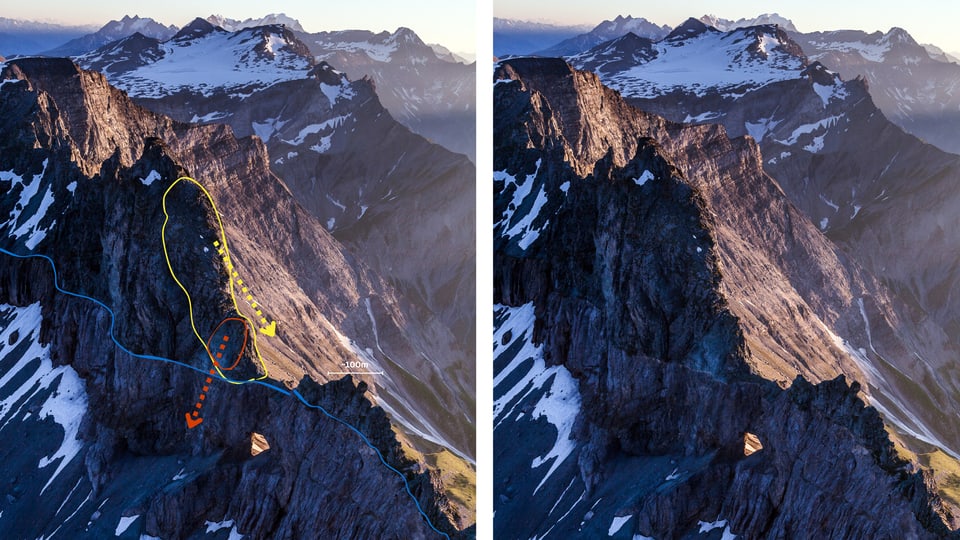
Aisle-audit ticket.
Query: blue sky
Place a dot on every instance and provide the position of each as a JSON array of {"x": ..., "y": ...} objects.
[
  {"x": 928, "y": 21},
  {"x": 451, "y": 23}
]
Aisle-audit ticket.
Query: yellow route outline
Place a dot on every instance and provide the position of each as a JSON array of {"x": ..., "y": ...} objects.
[{"x": 233, "y": 298}]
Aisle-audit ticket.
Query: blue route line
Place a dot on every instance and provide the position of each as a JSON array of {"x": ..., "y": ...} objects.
[{"x": 284, "y": 391}]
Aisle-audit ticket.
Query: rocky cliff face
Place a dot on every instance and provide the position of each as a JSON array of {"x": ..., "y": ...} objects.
[
  {"x": 657, "y": 296},
  {"x": 407, "y": 210},
  {"x": 811, "y": 127},
  {"x": 87, "y": 170}
]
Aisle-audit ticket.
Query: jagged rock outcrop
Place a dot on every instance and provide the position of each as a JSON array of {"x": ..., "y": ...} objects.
[
  {"x": 105, "y": 164},
  {"x": 659, "y": 295}
]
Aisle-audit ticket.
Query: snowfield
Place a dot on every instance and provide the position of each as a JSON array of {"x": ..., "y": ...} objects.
[
  {"x": 731, "y": 63},
  {"x": 213, "y": 62},
  {"x": 33, "y": 373},
  {"x": 560, "y": 403}
]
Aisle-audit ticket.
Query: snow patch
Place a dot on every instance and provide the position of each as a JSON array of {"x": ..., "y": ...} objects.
[
  {"x": 646, "y": 176},
  {"x": 830, "y": 92},
  {"x": 706, "y": 527},
  {"x": 209, "y": 117},
  {"x": 267, "y": 129},
  {"x": 873, "y": 52},
  {"x": 72, "y": 186},
  {"x": 333, "y": 123},
  {"x": 831, "y": 204},
  {"x": 216, "y": 526},
  {"x": 28, "y": 193},
  {"x": 523, "y": 189},
  {"x": 380, "y": 52},
  {"x": 336, "y": 203},
  {"x": 560, "y": 402},
  {"x": 617, "y": 524},
  {"x": 718, "y": 524},
  {"x": 758, "y": 130},
  {"x": 824, "y": 124},
  {"x": 702, "y": 117},
  {"x": 66, "y": 404},
  {"x": 336, "y": 92},
  {"x": 124, "y": 524},
  {"x": 151, "y": 178},
  {"x": 816, "y": 145},
  {"x": 323, "y": 145}
]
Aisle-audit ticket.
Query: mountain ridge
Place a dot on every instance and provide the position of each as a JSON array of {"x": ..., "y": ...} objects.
[
  {"x": 113, "y": 31},
  {"x": 129, "y": 415},
  {"x": 634, "y": 295}
]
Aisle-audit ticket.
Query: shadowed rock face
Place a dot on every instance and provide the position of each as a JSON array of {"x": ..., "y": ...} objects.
[
  {"x": 97, "y": 151},
  {"x": 670, "y": 277}
]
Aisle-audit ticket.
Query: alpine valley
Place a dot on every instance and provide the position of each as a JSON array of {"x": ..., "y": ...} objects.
[
  {"x": 330, "y": 245},
  {"x": 724, "y": 279}
]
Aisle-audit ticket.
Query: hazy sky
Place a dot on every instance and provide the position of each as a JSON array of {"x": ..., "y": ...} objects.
[
  {"x": 451, "y": 23},
  {"x": 928, "y": 21}
]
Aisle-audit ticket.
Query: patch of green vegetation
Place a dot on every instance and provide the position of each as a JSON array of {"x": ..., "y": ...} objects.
[
  {"x": 902, "y": 451},
  {"x": 460, "y": 480},
  {"x": 946, "y": 470},
  {"x": 459, "y": 477}
]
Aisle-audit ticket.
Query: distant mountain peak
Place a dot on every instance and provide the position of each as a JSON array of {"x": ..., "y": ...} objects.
[
  {"x": 690, "y": 28},
  {"x": 197, "y": 28},
  {"x": 606, "y": 31},
  {"x": 633, "y": 24},
  {"x": 898, "y": 35},
  {"x": 819, "y": 74},
  {"x": 726, "y": 25},
  {"x": 232, "y": 25},
  {"x": 405, "y": 35},
  {"x": 113, "y": 31}
]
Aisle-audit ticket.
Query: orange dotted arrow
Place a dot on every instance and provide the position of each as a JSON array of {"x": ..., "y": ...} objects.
[{"x": 194, "y": 419}]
